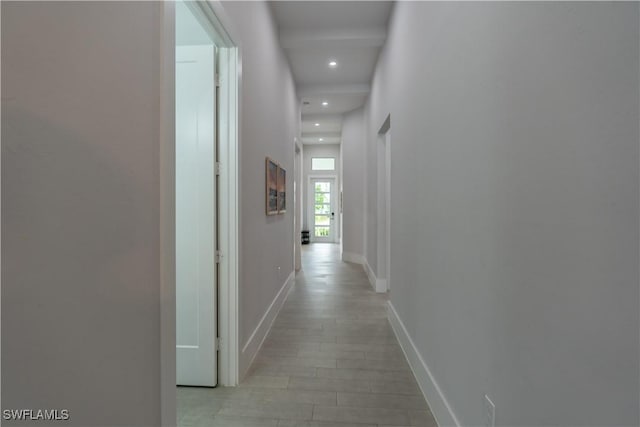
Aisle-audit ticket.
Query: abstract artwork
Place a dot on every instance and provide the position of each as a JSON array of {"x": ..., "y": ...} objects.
[
  {"x": 272, "y": 187},
  {"x": 282, "y": 190}
]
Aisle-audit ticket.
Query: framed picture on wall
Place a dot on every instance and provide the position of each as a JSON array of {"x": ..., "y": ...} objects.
[
  {"x": 272, "y": 187},
  {"x": 282, "y": 190}
]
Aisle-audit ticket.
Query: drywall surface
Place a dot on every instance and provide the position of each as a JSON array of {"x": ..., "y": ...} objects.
[
  {"x": 353, "y": 184},
  {"x": 317, "y": 150},
  {"x": 80, "y": 211},
  {"x": 269, "y": 123},
  {"x": 515, "y": 184},
  {"x": 371, "y": 178}
]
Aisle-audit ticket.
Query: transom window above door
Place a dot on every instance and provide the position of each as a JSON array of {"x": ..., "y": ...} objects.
[{"x": 323, "y": 163}]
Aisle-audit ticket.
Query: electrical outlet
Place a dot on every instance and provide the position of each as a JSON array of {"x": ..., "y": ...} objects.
[{"x": 489, "y": 412}]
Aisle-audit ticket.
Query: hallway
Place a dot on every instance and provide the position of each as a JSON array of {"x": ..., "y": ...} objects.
[{"x": 330, "y": 360}]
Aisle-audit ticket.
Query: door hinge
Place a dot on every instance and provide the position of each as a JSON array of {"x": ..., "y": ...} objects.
[
  {"x": 218, "y": 257},
  {"x": 217, "y": 78},
  {"x": 218, "y": 343},
  {"x": 218, "y": 168}
]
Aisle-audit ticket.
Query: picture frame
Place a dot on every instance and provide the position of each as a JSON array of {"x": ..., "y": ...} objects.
[
  {"x": 271, "y": 191},
  {"x": 282, "y": 190}
]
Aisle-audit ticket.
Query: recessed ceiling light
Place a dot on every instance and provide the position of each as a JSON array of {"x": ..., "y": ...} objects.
[
  {"x": 325, "y": 103},
  {"x": 317, "y": 124},
  {"x": 333, "y": 64},
  {"x": 320, "y": 139}
]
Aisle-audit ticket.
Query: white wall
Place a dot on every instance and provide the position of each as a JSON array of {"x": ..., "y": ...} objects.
[
  {"x": 81, "y": 201},
  {"x": 515, "y": 184},
  {"x": 80, "y": 210},
  {"x": 269, "y": 124},
  {"x": 370, "y": 182},
  {"x": 353, "y": 149},
  {"x": 319, "y": 150}
]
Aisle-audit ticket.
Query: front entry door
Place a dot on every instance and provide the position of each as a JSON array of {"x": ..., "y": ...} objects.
[{"x": 323, "y": 215}]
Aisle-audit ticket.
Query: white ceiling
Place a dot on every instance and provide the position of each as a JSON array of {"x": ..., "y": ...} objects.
[
  {"x": 313, "y": 33},
  {"x": 331, "y": 14},
  {"x": 340, "y": 103},
  {"x": 356, "y": 64}
]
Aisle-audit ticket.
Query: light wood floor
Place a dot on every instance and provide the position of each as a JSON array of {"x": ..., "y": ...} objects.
[{"x": 331, "y": 360}]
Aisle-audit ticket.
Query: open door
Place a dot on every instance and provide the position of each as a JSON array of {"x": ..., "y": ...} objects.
[{"x": 196, "y": 275}]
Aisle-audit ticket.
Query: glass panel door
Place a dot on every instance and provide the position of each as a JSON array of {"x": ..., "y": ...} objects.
[{"x": 323, "y": 210}]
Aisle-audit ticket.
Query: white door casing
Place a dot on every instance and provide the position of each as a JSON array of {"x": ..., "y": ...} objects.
[
  {"x": 322, "y": 209},
  {"x": 383, "y": 187},
  {"x": 387, "y": 193},
  {"x": 220, "y": 28}
]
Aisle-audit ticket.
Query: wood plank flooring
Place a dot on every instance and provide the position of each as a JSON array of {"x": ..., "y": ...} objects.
[{"x": 330, "y": 360}]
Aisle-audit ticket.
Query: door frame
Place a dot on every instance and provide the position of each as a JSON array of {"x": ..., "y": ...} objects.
[
  {"x": 214, "y": 18},
  {"x": 311, "y": 204},
  {"x": 383, "y": 282},
  {"x": 297, "y": 205}
]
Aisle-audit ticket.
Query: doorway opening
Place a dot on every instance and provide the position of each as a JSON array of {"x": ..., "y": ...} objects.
[
  {"x": 196, "y": 202},
  {"x": 199, "y": 202},
  {"x": 383, "y": 283}
]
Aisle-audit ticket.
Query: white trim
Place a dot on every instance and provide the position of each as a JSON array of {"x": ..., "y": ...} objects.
[
  {"x": 383, "y": 234},
  {"x": 229, "y": 55},
  {"x": 436, "y": 399},
  {"x": 378, "y": 285},
  {"x": 168, "y": 412},
  {"x": 229, "y": 270},
  {"x": 229, "y": 231},
  {"x": 387, "y": 190},
  {"x": 381, "y": 286},
  {"x": 230, "y": 273},
  {"x": 370, "y": 274},
  {"x": 224, "y": 33},
  {"x": 353, "y": 257},
  {"x": 254, "y": 343},
  {"x": 310, "y": 207},
  {"x": 297, "y": 205}
]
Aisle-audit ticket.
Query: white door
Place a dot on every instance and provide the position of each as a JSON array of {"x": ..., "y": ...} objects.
[
  {"x": 323, "y": 210},
  {"x": 196, "y": 309}
]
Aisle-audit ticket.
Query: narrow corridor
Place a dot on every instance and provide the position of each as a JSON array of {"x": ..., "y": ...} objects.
[{"x": 331, "y": 360}]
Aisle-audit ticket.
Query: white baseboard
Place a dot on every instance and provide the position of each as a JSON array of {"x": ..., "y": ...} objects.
[
  {"x": 441, "y": 409},
  {"x": 254, "y": 343},
  {"x": 352, "y": 257},
  {"x": 378, "y": 285},
  {"x": 370, "y": 274}
]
